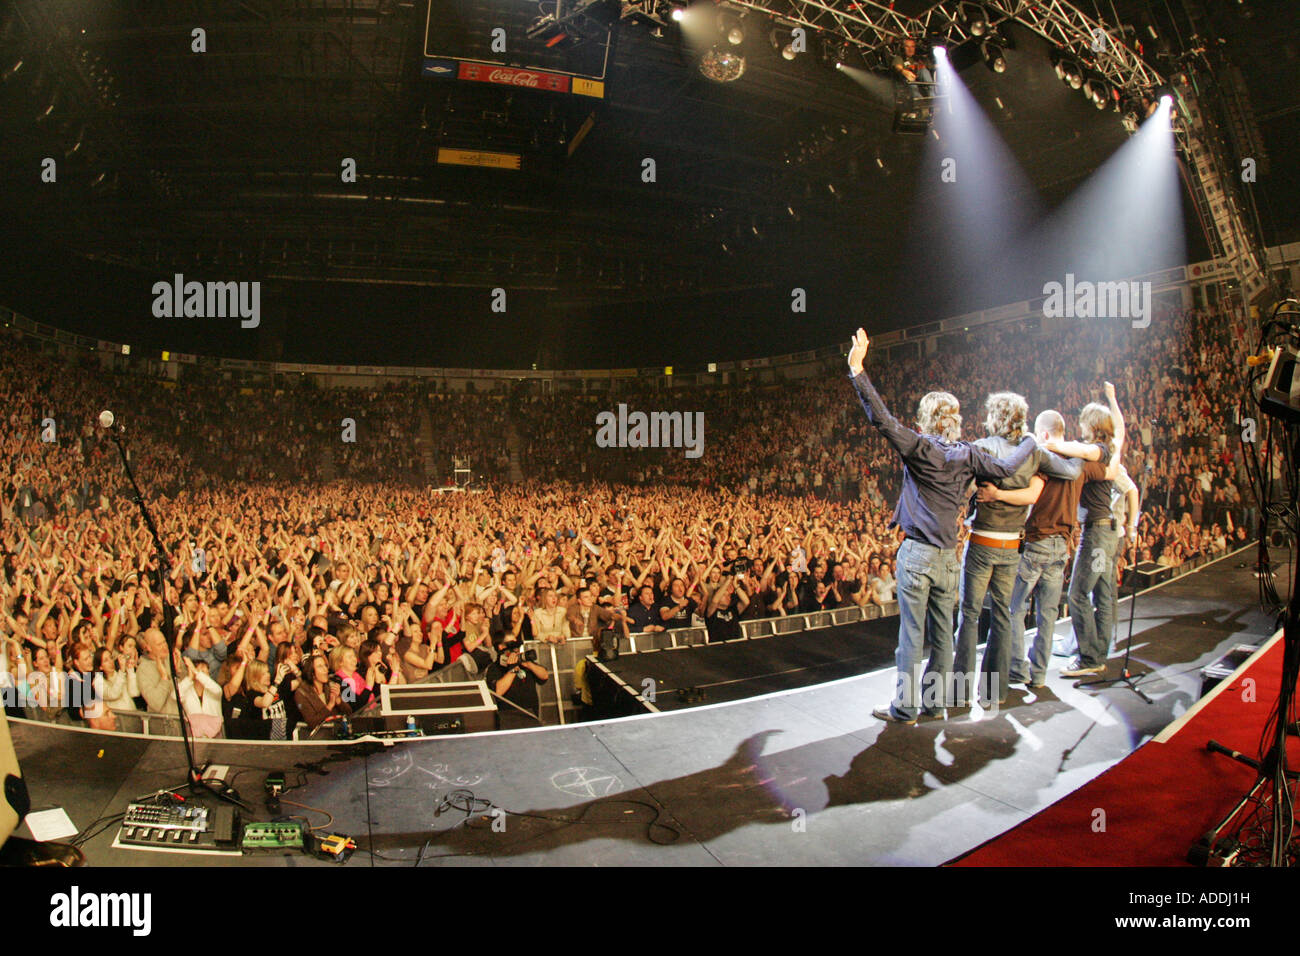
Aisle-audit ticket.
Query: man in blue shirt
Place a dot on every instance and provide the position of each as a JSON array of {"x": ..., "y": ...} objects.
[{"x": 937, "y": 471}]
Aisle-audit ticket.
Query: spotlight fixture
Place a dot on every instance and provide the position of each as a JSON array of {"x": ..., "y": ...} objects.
[
  {"x": 939, "y": 49},
  {"x": 1069, "y": 73},
  {"x": 993, "y": 56},
  {"x": 832, "y": 52},
  {"x": 1097, "y": 92},
  {"x": 730, "y": 27},
  {"x": 678, "y": 13},
  {"x": 973, "y": 17},
  {"x": 782, "y": 39}
]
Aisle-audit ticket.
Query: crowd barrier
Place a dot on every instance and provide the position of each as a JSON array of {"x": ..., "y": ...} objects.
[{"x": 558, "y": 698}]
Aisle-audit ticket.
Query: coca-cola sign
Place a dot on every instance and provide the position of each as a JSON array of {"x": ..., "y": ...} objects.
[{"x": 509, "y": 76}]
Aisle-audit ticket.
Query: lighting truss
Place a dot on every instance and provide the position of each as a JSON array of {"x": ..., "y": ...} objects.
[{"x": 873, "y": 26}]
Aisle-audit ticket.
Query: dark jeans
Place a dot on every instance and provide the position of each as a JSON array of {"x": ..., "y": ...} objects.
[
  {"x": 1092, "y": 593},
  {"x": 1041, "y": 573},
  {"x": 992, "y": 571}
]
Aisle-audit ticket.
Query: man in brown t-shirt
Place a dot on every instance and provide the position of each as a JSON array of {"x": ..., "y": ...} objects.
[{"x": 1050, "y": 531}]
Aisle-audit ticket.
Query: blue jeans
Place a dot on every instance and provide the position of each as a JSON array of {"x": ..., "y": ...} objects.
[
  {"x": 988, "y": 571},
  {"x": 1042, "y": 574},
  {"x": 927, "y": 594},
  {"x": 923, "y": 85},
  {"x": 1092, "y": 594}
]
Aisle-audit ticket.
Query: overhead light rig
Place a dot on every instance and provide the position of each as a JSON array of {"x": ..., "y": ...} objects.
[{"x": 873, "y": 27}]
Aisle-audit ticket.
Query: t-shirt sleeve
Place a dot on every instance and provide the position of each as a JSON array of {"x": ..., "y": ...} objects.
[{"x": 1094, "y": 471}]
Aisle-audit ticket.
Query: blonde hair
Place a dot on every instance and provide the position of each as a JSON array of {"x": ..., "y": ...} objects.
[
  {"x": 1096, "y": 426},
  {"x": 1006, "y": 414},
  {"x": 256, "y": 672},
  {"x": 337, "y": 655},
  {"x": 940, "y": 414}
]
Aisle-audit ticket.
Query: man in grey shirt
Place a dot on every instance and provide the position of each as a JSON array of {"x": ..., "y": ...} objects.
[{"x": 993, "y": 552}]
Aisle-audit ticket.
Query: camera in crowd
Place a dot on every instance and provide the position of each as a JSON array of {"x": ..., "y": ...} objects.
[{"x": 514, "y": 647}]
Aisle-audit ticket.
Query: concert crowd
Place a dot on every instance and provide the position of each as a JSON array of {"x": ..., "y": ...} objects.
[{"x": 305, "y": 571}]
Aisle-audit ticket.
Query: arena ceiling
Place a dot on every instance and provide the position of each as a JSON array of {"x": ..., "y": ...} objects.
[{"x": 228, "y": 163}]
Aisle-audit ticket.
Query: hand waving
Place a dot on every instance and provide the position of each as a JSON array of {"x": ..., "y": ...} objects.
[{"x": 858, "y": 351}]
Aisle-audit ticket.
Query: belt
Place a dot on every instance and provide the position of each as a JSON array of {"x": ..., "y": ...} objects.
[
  {"x": 910, "y": 537},
  {"x": 978, "y": 538},
  {"x": 1102, "y": 522}
]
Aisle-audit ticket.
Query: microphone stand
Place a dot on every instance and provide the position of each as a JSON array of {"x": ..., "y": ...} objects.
[
  {"x": 194, "y": 773},
  {"x": 1126, "y": 677}
]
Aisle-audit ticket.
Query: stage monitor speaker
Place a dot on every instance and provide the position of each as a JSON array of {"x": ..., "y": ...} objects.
[
  {"x": 1149, "y": 573},
  {"x": 15, "y": 803}
]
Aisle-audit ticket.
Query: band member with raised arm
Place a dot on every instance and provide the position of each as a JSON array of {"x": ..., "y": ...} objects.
[
  {"x": 937, "y": 471},
  {"x": 1092, "y": 580},
  {"x": 993, "y": 551}
]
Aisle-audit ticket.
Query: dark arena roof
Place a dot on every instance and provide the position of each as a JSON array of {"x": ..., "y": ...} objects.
[{"x": 229, "y": 164}]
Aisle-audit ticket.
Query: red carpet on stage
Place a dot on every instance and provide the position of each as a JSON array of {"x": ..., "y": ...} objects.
[{"x": 1150, "y": 808}]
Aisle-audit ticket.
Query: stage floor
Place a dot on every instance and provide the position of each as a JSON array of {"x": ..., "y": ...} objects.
[{"x": 802, "y": 777}]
